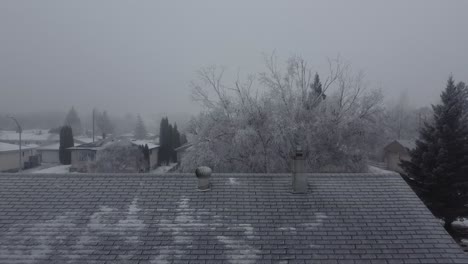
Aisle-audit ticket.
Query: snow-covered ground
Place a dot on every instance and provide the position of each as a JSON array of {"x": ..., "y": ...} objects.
[
  {"x": 377, "y": 170},
  {"x": 163, "y": 169},
  {"x": 55, "y": 169},
  {"x": 463, "y": 223}
]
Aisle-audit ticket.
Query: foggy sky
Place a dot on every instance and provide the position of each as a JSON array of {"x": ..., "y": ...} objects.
[{"x": 139, "y": 56}]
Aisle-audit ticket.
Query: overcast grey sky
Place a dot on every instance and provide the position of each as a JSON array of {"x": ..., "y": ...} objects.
[{"x": 139, "y": 56}]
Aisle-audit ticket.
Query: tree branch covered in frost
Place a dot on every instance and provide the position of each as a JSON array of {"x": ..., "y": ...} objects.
[
  {"x": 119, "y": 157},
  {"x": 242, "y": 130}
]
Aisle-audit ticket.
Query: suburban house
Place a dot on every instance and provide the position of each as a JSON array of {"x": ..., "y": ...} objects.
[
  {"x": 397, "y": 151},
  {"x": 9, "y": 157},
  {"x": 82, "y": 155},
  {"x": 182, "y": 150},
  {"x": 50, "y": 153},
  {"x": 238, "y": 218}
]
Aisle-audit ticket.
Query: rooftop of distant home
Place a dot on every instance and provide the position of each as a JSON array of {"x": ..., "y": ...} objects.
[
  {"x": 6, "y": 147},
  {"x": 242, "y": 218},
  {"x": 99, "y": 144}
]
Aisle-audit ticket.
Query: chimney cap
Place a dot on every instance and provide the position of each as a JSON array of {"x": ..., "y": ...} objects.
[{"x": 299, "y": 152}]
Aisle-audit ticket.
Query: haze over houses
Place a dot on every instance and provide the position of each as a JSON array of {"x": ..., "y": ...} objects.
[{"x": 240, "y": 132}]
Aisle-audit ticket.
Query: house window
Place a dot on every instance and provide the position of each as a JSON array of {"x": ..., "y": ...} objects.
[{"x": 86, "y": 156}]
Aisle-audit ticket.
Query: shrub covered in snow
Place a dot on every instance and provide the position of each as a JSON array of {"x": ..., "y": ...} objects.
[{"x": 119, "y": 157}]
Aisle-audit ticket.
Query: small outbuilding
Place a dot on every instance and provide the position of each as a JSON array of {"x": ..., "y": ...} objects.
[
  {"x": 49, "y": 153},
  {"x": 397, "y": 151}
]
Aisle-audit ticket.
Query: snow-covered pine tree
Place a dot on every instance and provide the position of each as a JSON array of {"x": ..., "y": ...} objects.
[
  {"x": 104, "y": 124},
  {"x": 73, "y": 121},
  {"x": 439, "y": 164},
  {"x": 140, "y": 129}
]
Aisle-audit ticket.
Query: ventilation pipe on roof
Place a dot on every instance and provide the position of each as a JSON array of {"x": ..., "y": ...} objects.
[
  {"x": 203, "y": 174},
  {"x": 299, "y": 178}
]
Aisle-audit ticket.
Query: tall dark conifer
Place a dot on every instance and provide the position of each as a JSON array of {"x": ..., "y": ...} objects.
[
  {"x": 66, "y": 141},
  {"x": 439, "y": 164}
]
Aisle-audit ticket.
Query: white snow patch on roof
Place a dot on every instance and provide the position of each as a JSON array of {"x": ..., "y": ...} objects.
[
  {"x": 151, "y": 145},
  {"x": 319, "y": 218},
  {"x": 31, "y": 247},
  {"x": 233, "y": 181},
  {"x": 238, "y": 251}
]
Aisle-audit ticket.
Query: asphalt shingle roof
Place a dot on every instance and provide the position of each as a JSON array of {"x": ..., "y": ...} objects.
[{"x": 344, "y": 218}]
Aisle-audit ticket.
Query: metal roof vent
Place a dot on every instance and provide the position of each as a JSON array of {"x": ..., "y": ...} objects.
[{"x": 203, "y": 174}]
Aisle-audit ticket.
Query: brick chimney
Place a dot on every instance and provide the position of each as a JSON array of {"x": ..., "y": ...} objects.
[
  {"x": 203, "y": 174},
  {"x": 299, "y": 178}
]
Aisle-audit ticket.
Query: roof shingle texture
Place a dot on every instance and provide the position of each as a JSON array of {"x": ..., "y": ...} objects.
[{"x": 344, "y": 218}]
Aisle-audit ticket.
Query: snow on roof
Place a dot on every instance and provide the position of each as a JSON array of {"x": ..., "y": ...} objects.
[
  {"x": 29, "y": 135},
  {"x": 4, "y": 147},
  {"x": 246, "y": 218},
  {"x": 84, "y": 139},
  {"x": 54, "y": 146},
  {"x": 151, "y": 145},
  {"x": 184, "y": 147},
  {"x": 407, "y": 143},
  {"x": 93, "y": 145}
]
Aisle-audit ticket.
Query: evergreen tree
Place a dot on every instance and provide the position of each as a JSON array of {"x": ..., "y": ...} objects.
[
  {"x": 104, "y": 124},
  {"x": 66, "y": 141},
  {"x": 170, "y": 144},
  {"x": 316, "y": 93},
  {"x": 169, "y": 140},
  {"x": 439, "y": 164},
  {"x": 162, "y": 141},
  {"x": 175, "y": 142},
  {"x": 73, "y": 121},
  {"x": 140, "y": 129}
]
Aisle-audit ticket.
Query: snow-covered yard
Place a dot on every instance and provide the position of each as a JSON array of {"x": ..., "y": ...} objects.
[
  {"x": 163, "y": 169},
  {"x": 55, "y": 169}
]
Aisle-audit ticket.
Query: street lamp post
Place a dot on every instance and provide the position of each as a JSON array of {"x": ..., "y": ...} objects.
[{"x": 20, "y": 130}]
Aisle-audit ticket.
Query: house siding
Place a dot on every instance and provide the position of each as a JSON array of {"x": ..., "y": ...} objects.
[{"x": 9, "y": 159}]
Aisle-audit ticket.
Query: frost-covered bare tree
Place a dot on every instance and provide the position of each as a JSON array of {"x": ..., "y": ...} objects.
[{"x": 255, "y": 124}]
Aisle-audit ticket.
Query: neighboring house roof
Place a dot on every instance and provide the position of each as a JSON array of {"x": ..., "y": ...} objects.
[
  {"x": 151, "y": 145},
  {"x": 29, "y": 135},
  {"x": 244, "y": 218},
  {"x": 100, "y": 144},
  {"x": 96, "y": 145},
  {"x": 407, "y": 143},
  {"x": 54, "y": 146},
  {"x": 183, "y": 147},
  {"x": 85, "y": 139},
  {"x": 400, "y": 145},
  {"x": 7, "y": 147}
]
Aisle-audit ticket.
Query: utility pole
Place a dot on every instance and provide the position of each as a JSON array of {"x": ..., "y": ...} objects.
[
  {"x": 93, "y": 123},
  {"x": 20, "y": 130}
]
